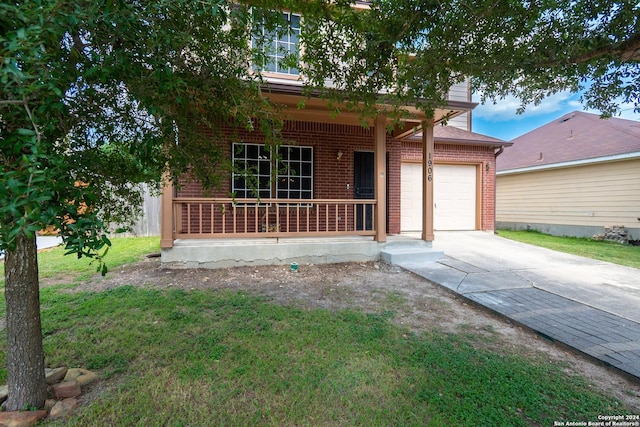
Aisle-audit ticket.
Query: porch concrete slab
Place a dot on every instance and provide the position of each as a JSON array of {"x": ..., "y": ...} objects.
[
  {"x": 586, "y": 304},
  {"x": 220, "y": 253}
]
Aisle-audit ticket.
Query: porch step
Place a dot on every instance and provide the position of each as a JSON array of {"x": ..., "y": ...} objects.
[{"x": 406, "y": 254}]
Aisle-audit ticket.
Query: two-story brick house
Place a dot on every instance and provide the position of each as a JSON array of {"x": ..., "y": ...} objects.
[{"x": 340, "y": 188}]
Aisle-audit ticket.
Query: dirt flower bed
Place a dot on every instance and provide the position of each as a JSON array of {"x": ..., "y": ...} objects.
[{"x": 410, "y": 301}]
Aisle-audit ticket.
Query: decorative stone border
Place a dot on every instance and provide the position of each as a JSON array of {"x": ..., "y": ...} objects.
[
  {"x": 614, "y": 233},
  {"x": 65, "y": 385}
]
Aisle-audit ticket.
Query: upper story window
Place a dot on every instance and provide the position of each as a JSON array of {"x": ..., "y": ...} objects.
[{"x": 281, "y": 43}]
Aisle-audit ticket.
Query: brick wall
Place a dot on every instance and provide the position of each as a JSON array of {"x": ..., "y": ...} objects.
[
  {"x": 331, "y": 176},
  {"x": 464, "y": 154}
]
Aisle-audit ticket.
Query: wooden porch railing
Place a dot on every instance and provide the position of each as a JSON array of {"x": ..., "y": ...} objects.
[{"x": 207, "y": 218}]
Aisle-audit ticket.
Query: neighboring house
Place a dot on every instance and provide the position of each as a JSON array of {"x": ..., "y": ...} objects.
[
  {"x": 340, "y": 188},
  {"x": 572, "y": 177}
]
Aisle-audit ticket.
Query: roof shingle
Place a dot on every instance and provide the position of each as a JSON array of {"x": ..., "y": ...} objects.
[
  {"x": 454, "y": 135},
  {"x": 574, "y": 136}
]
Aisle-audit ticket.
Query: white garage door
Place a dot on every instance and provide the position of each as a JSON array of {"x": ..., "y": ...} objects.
[
  {"x": 454, "y": 194},
  {"x": 411, "y": 197},
  {"x": 454, "y": 197}
]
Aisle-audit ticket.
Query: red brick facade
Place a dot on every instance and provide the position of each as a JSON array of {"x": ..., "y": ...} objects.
[{"x": 334, "y": 179}]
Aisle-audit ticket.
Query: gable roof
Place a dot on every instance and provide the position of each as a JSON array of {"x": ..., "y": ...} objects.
[
  {"x": 572, "y": 137},
  {"x": 454, "y": 135}
]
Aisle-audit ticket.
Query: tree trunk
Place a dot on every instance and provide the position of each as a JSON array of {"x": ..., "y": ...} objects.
[{"x": 25, "y": 356}]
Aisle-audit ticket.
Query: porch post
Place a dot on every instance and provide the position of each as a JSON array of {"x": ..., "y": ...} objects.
[
  {"x": 166, "y": 214},
  {"x": 427, "y": 180},
  {"x": 380, "y": 155}
]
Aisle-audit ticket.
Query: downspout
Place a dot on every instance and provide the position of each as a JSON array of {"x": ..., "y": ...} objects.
[{"x": 495, "y": 187}]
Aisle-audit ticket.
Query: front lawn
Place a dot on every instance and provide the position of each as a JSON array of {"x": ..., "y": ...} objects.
[
  {"x": 179, "y": 357},
  {"x": 52, "y": 264},
  {"x": 201, "y": 358}
]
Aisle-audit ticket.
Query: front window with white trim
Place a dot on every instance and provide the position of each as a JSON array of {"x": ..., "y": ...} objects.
[
  {"x": 254, "y": 166},
  {"x": 295, "y": 174}
]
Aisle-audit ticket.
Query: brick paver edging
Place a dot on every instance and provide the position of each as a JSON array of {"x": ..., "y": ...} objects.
[{"x": 604, "y": 336}]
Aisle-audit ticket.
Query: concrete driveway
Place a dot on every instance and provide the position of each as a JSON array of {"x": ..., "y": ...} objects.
[
  {"x": 484, "y": 261},
  {"x": 590, "y": 305}
]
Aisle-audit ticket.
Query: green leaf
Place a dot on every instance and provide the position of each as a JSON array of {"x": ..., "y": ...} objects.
[
  {"x": 57, "y": 91},
  {"x": 25, "y": 132}
]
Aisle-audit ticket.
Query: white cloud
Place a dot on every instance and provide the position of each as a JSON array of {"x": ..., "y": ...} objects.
[
  {"x": 575, "y": 103},
  {"x": 501, "y": 121},
  {"x": 560, "y": 103},
  {"x": 627, "y": 112},
  {"x": 505, "y": 109}
]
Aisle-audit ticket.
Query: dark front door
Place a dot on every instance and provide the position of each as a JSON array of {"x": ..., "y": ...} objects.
[{"x": 363, "y": 188}]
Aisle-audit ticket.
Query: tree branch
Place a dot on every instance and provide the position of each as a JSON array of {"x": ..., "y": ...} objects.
[
  {"x": 33, "y": 123},
  {"x": 626, "y": 51},
  {"x": 630, "y": 49}
]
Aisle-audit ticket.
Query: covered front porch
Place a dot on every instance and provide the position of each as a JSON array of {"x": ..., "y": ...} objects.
[{"x": 343, "y": 217}]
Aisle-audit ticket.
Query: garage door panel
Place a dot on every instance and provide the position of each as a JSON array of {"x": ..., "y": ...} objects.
[
  {"x": 454, "y": 193},
  {"x": 454, "y": 197},
  {"x": 411, "y": 197}
]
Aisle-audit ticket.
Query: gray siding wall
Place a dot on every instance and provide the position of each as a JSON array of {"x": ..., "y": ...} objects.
[
  {"x": 460, "y": 92},
  {"x": 460, "y": 122}
]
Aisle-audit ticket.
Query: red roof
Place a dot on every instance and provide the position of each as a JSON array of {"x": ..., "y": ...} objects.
[{"x": 574, "y": 136}]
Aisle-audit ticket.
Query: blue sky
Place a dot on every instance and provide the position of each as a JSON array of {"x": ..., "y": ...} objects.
[{"x": 501, "y": 121}]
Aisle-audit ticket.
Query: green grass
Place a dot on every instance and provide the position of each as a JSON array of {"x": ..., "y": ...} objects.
[
  {"x": 601, "y": 250},
  {"x": 199, "y": 358},
  {"x": 53, "y": 264}
]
